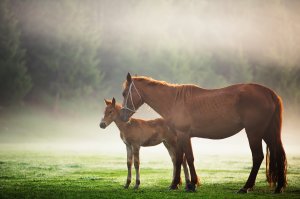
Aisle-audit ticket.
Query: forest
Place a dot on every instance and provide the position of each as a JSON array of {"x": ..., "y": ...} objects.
[{"x": 54, "y": 52}]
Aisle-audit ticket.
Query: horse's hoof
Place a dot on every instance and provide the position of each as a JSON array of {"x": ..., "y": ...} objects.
[
  {"x": 278, "y": 190},
  {"x": 187, "y": 181},
  {"x": 136, "y": 187},
  {"x": 242, "y": 191},
  {"x": 173, "y": 187},
  {"x": 190, "y": 187}
]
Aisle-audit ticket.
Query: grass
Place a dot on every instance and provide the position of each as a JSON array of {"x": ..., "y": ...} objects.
[{"x": 31, "y": 174}]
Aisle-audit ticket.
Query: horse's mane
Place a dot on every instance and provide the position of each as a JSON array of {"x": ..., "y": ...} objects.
[
  {"x": 153, "y": 82},
  {"x": 150, "y": 81}
]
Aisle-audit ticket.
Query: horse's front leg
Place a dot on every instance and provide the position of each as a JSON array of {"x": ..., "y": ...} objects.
[
  {"x": 177, "y": 168},
  {"x": 136, "y": 151},
  {"x": 188, "y": 151},
  {"x": 129, "y": 164}
]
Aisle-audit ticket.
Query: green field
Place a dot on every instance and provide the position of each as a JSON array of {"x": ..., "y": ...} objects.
[{"x": 31, "y": 174}]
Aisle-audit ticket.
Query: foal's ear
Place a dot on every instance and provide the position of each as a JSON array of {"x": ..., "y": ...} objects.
[
  {"x": 113, "y": 102},
  {"x": 107, "y": 102},
  {"x": 129, "y": 78}
]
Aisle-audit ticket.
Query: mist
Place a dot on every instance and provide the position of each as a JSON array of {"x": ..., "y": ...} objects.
[{"x": 208, "y": 43}]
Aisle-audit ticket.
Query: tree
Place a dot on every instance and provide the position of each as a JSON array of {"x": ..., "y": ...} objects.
[
  {"x": 63, "y": 45},
  {"x": 14, "y": 79}
]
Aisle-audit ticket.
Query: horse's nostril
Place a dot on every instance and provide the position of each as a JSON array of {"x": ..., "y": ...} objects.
[{"x": 102, "y": 125}]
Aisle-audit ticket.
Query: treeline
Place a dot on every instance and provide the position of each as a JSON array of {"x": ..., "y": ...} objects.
[{"x": 61, "y": 50}]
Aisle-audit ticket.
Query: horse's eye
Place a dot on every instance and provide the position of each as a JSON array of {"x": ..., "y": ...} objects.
[
  {"x": 123, "y": 94},
  {"x": 110, "y": 112}
]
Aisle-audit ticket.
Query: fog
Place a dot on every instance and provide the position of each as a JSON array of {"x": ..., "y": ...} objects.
[
  {"x": 262, "y": 28},
  {"x": 265, "y": 30},
  {"x": 151, "y": 38},
  {"x": 81, "y": 134}
]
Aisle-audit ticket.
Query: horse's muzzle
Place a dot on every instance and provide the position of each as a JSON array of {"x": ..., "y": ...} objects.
[
  {"x": 124, "y": 115},
  {"x": 102, "y": 125}
]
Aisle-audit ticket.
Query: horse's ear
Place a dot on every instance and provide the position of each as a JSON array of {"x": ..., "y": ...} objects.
[
  {"x": 106, "y": 102},
  {"x": 129, "y": 78},
  {"x": 113, "y": 101}
]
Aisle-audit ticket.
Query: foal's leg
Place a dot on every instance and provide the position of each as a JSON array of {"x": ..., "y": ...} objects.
[
  {"x": 186, "y": 171},
  {"x": 136, "y": 151},
  {"x": 171, "y": 151},
  {"x": 255, "y": 142},
  {"x": 170, "y": 145},
  {"x": 129, "y": 164}
]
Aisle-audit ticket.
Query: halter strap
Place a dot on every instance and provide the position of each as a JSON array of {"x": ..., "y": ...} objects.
[{"x": 129, "y": 94}]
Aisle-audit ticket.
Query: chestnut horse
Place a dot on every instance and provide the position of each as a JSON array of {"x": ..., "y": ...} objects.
[
  {"x": 137, "y": 133},
  {"x": 215, "y": 114}
]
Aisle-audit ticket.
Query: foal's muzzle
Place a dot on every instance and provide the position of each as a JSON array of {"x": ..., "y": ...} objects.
[{"x": 102, "y": 125}]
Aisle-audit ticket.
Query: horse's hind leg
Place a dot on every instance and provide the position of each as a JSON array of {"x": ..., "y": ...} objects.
[
  {"x": 129, "y": 164},
  {"x": 255, "y": 142}
]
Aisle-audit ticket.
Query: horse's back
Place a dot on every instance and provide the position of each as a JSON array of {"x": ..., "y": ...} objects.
[
  {"x": 220, "y": 113},
  {"x": 256, "y": 105}
]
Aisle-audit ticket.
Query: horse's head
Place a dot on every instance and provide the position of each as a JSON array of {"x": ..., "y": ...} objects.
[
  {"x": 132, "y": 99},
  {"x": 110, "y": 113}
]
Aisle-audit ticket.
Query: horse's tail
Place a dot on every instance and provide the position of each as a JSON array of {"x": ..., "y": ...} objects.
[{"x": 276, "y": 163}]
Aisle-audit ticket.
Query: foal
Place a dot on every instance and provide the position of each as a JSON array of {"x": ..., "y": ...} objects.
[{"x": 137, "y": 133}]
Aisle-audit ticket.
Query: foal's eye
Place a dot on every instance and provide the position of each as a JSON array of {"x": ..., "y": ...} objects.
[
  {"x": 110, "y": 112},
  {"x": 123, "y": 94}
]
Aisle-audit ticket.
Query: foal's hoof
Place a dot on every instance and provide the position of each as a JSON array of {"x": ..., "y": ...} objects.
[
  {"x": 127, "y": 184},
  {"x": 245, "y": 190},
  {"x": 190, "y": 187},
  {"x": 137, "y": 184},
  {"x": 173, "y": 187}
]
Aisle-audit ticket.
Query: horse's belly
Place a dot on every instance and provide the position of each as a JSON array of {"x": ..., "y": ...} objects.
[
  {"x": 215, "y": 133},
  {"x": 217, "y": 129}
]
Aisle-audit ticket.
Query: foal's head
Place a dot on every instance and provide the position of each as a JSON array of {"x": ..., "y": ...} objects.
[
  {"x": 132, "y": 99},
  {"x": 111, "y": 113}
]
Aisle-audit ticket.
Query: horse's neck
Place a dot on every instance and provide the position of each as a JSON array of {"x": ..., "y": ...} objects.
[{"x": 160, "y": 98}]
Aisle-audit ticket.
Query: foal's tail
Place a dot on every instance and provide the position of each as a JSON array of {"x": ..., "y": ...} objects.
[{"x": 276, "y": 163}]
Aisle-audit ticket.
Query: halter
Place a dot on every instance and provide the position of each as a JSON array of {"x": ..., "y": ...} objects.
[{"x": 130, "y": 94}]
